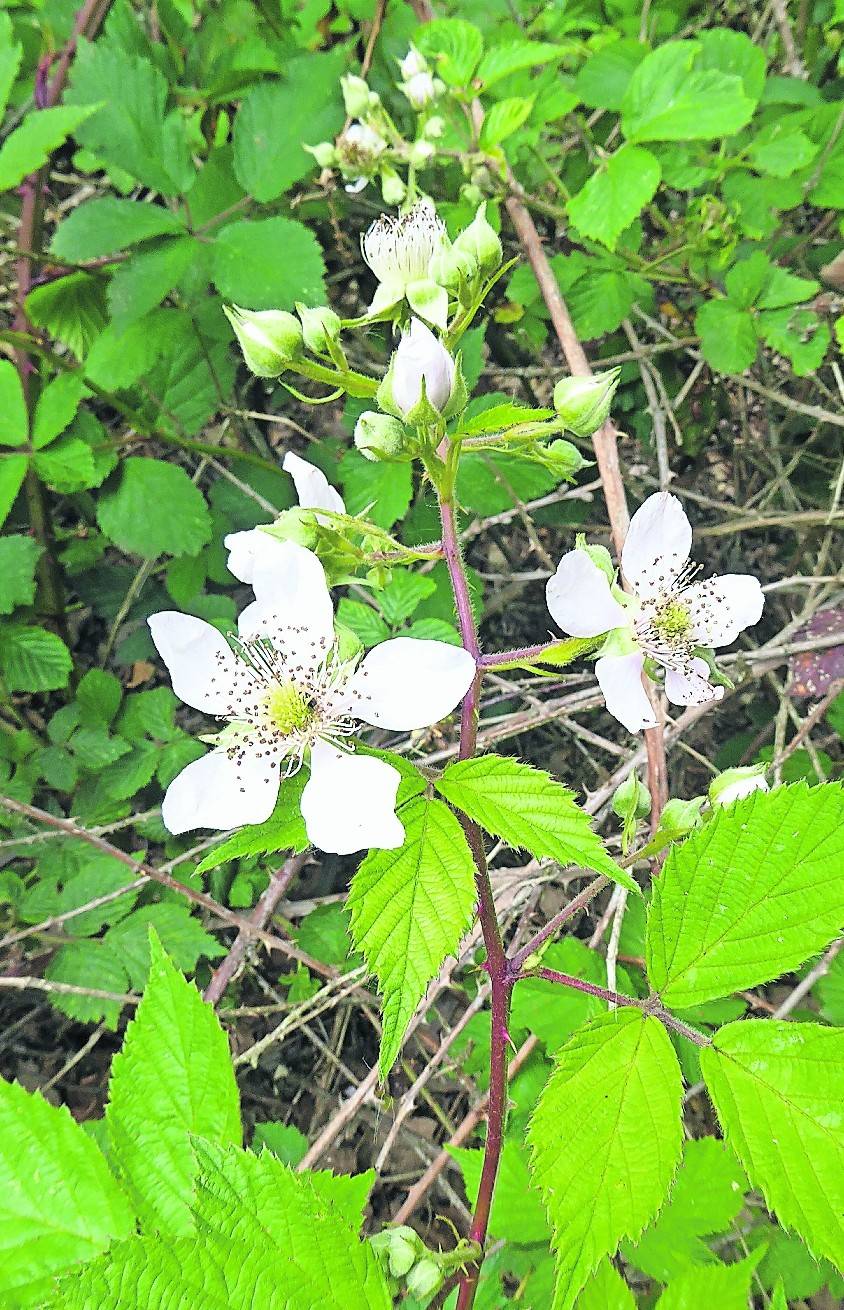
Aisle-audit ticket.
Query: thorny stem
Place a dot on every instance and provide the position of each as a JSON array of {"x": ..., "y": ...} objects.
[
  {"x": 651, "y": 1006},
  {"x": 578, "y": 903}
]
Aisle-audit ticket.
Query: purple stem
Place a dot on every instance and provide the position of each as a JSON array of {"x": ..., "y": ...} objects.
[
  {"x": 522, "y": 653},
  {"x": 651, "y": 1007},
  {"x": 556, "y": 921}
]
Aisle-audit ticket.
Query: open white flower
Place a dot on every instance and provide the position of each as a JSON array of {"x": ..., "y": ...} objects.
[
  {"x": 665, "y": 619},
  {"x": 399, "y": 251},
  {"x": 286, "y": 694},
  {"x": 419, "y": 357}
]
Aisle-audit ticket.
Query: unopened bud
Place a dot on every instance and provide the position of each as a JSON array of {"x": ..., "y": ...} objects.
[
  {"x": 379, "y": 436},
  {"x": 481, "y": 241},
  {"x": 420, "y": 152},
  {"x": 319, "y": 327},
  {"x": 412, "y": 64},
  {"x": 631, "y": 799},
  {"x": 420, "y": 357},
  {"x": 733, "y": 784},
  {"x": 434, "y": 128},
  {"x": 584, "y": 403},
  {"x": 356, "y": 95},
  {"x": 422, "y": 89},
  {"x": 271, "y": 339},
  {"x": 324, "y": 153},
  {"x": 392, "y": 188},
  {"x": 424, "y": 1278},
  {"x": 449, "y": 265}
]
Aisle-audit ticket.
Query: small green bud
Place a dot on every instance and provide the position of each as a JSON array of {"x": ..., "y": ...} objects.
[
  {"x": 420, "y": 153},
  {"x": 380, "y": 436},
  {"x": 271, "y": 339},
  {"x": 481, "y": 241},
  {"x": 733, "y": 784},
  {"x": 324, "y": 153},
  {"x": 563, "y": 459},
  {"x": 320, "y": 326},
  {"x": 434, "y": 128},
  {"x": 356, "y": 95},
  {"x": 584, "y": 403},
  {"x": 451, "y": 264},
  {"x": 424, "y": 1278},
  {"x": 631, "y": 799},
  {"x": 392, "y": 188}
]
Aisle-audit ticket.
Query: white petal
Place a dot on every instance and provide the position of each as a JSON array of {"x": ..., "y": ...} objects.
[
  {"x": 657, "y": 545},
  {"x": 691, "y": 685},
  {"x": 292, "y": 600},
  {"x": 201, "y": 664},
  {"x": 420, "y": 355},
  {"x": 312, "y": 486},
  {"x": 408, "y": 683},
  {"x": 721, "y": 608},
  {"x": 620, "y": 679},
  {"x": 349, "y": 802},
  {"x": 579, "y": 598},
  {"x": 242, "y": 547},
  {"x": 222, "y": 791}
]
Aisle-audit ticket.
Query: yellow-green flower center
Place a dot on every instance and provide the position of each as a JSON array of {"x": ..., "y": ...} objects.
[
  {"x": 287, "y": 709},
  {"x": 673, "y": 621}
]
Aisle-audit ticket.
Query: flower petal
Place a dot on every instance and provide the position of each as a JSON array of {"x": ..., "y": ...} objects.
[
  {"x": 349, "y": 802},
  {"x": 312, "y": 486},
  {"x": 292, "y": 601},
  {"x": 408, "y": 683},
  {"x": 690, "y": 685},
  {"x": 242, "y": 548},
  {"x": 224, "y": 789},
  {"x": 202, "y": 666},
  {"x": 579, "y": 598},
  {"x": 657, "y": 546},
  {"x": 620, "y": 679},
  {"x": 721, "y": 608}
]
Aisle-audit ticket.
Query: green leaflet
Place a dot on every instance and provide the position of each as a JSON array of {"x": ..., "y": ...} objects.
[
  {"x": 724, "y": 1286},
  {"x": 751, "y": 895},
  {"x": 172, "y": 1078},
  {"x": 284, "y": 830},
  {"x": 152, "y": 508},
  {"x": 58, "y": 1201},
  {"x": 410, "y": 907},
  {"x": 606, "y": 1139},
  {"x": 777, "y": 1088},
  {"x": 526, "y": 807},
  {"x": 615, "y": 194}
]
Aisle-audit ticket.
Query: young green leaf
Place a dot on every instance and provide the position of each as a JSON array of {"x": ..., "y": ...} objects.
[
  {"x": 153, "y": 509},
  {"x": 615, "y": 194},
  {"x": 453, "y": 46},
  {"x": 606, "y": 1138},
  {"x": 724, "y": 1286},
  {"x": 33, "y": 659},
  {"x": 31, "y": 144},
  {"x": 673, "y": 96},
  {"x": 410, "y": 908},
  {"x": 59, "y": 1204},
  {"x": 172, "y": 1078},
  {"x": 18, "y": 558},
  {"x": 512, "y": 56},
  {"x": 777, "y": 1088},
  {"x": 526, "y": 807},
  {"x": 750, "y": 896},
  {"x": 503, "y": 119}
]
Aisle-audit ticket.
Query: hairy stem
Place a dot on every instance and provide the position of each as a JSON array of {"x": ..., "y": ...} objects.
[{"x": 578, "y": 903}]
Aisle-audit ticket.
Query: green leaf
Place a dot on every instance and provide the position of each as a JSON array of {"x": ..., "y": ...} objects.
[
  {"x": 269, "y": 263},
  {"x": 154, "y": 509},
  {"x": 600, "y": 301},
  {"x": 31, "y": 144},
  {"x": 606, "y": 1139},
  {"x": 453, "y": 46},
  {"x": 673, "y": 96},
  {"x": 733, "y": 52},
  {"x": 502, "y": 119},
  {"x": 727, "y": 336},
  {"x": 32, "y": 659},
  {"x": 72, "y": 309},
  {"x": 109, "y": 224},
  {"x": 284, "y": 830},
  {"x": 56, "y": 408},
  {"x": 99, "y": 695},
  {"x": 606, "y": 1290},
  {"x": 750, "y": 896},
  {"x": 410, "y": 908},
  {"x": 384, "y": 490},
  {"x": 780, "y": 150},
  {"x": 14, "y": 424},
  {"x": 603, "y": 80},
  {"x": 59, "y": 1203},
  {"x": 143, "y": 139},
  {"x": 276, "y": 118},
  {"x": 725, "y": 1286},
  {"x": 172, "y": 1078},
  {"x": 513, "y": 56},
  {"x": 68, "y": 465},
  {"x": 180, "y": 933},
  {"x": 364, "y": 621},
  {"x": 830, "y": 992},
  {"x": 517, "y": 1211},
  {"x": 526, "y": 807},
  {"x": 777, "y": 1089},
  {"x": 552, "y": 1012},
  {"x": 799, "y": 334},
  {"x": 88, "y": 964},
  {"x": 18, "y": 558},
  {"x": 404, "y": 593},
  {"x": 615, "y": 195},
  {"x": 707, "y": 1195},
  {"x": 10, "y": 58},
  {"x": 142, "y": 281},
  {"x": 12, "y": 473},
  {"x": 287, "y": 1142}
]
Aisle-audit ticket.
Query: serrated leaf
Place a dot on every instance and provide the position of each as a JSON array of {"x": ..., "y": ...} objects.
[
  {"x": 517, "y": 1211},
  {"x": 181, "y": 935},
  {"x": 453, "y": 46},
  {"x": 410, "y": 908},
  {"x": 284, "y": 830},
  {"x": 605, "y": 1175},
  {"x": 606, "y": 1290},
  {"x": 14, "y": 424},
  {"x": 172, "y": 1078},
  {"x": 269, "y": 263},
  {"x": 364, "y": 621},
  {"x": 777, "y": 1089},
  {"x": 68, "y": 465},
  {"x": 59, "y": 1204},
  {"x": 56, "y": 408},
  {"x": 603, "y": 80},
  {"x": 512, "y": 56},
  {"x": 672, "y": 96},
  {"x": 108, "y": 224},
  {"x": 503, "y": 118},
  {"x": 727, "y": 336},
  {"x": 750, "y": 896},
  {"x": 615, "y": 194},
  {"x": 385, "y": 490},
  {"x": 31, "y": 144},
  {"x": 405, "y": 591},
  {"x": 153, "y": 509},
  {"x": 12, "y": 473},
  {"x": 72, "y": 309},
  {"x": 724, "y": 1286},
  {"x": 18, "y": 558},
  {"x": 90, "y": 964},
  {"x": 33, "y": 659},
  {"x": 141, "y": 282},
  {"x": 527, "y": 807}
]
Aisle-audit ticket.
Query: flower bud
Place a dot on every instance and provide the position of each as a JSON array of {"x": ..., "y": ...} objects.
[
  {"x": 733, "y": 784},
  {"x": 421, "y": 89},
  {"x": 421, "y": 357},
  {"x": 412, "y": 64},
  {"x": 319, "y": 327},
  {"x": 481, "y": 241},
  {"x": 379, "y": 436},
  {"x": 392, "y": 188},
  {"x": 356, "y": 95},
  {"x": 324, "y": 153},
  {"x": 631, "y": 799},
  {"x": 584, "y": 403},
  {"x": 424, "y": 1278},
  {"x": 449, "y": 265},
  {"x": 434, "y": 128},
  {"x": 271, "y": 339},
  {"x": 420, "y": 152}
]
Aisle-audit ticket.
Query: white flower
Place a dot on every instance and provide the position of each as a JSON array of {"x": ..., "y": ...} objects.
[
  {"x": 412, "y": 64},
  {"x": 735, "y": 784},
  {"x": 399, "y": 251},
  {"x": 667, "y": 616},
  {"x": 421, "y": 355},
  {"x": 285, "y": 694},
  {"x": 358, "y": 151},
  {"x": 420, "y": 89},
  {"x": 313, "y": 490}
]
